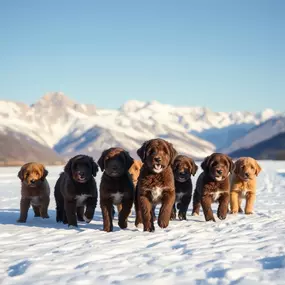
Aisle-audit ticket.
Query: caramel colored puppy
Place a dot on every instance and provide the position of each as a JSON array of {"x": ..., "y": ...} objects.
[
  {"x": 35, "y": 191},
  {"x": 213, "y": 185},
  {"x": 243, "y": 184},
  {"x": 135, "y": 171}
]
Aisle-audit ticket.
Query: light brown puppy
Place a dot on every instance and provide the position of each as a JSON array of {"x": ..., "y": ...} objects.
[
  {"x": 134, "y": 172},
  {"x": 35, "y": 191},
  {"x": 243, "y": 184}
]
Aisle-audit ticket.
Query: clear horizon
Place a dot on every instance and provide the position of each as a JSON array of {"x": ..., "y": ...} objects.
[{"x": 226, "y": 56}]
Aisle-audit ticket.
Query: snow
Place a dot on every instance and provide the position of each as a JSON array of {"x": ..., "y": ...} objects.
[{"x": 239, "y": 250}]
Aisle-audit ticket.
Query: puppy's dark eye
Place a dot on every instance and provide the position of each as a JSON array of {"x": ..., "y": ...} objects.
[{"x": 252, "y": 167}]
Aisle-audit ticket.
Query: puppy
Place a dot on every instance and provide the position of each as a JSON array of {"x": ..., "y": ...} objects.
[
  {"x": 155, "y": 183},
  {"x": 134, "y": 172},
  {"x": 35, "y": 191},
  {"x": 183, "y": 167},
  {"x": 213, "y": 185},
  {"x": 75, "y": 189},
  {"x": 116, "y": 187},
  {"x": 243, "y": 184}
]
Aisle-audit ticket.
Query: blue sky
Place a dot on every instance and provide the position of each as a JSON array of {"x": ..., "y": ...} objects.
[{"x": 225, "y": 55}]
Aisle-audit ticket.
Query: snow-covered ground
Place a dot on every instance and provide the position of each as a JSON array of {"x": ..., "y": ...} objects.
[{"x": 240, "y": 250}]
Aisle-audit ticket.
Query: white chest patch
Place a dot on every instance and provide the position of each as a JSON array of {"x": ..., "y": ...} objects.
[
  {"x": 117, "y": 197},
  {"x": 35, "y": 200},
  {"x": 156, "y": 193},
  {"x": 80, "y": 199},
  {"x": 217, "y": 195},
  {"x": 179, "y": 197},
  {"x": 243, "y": 193}
]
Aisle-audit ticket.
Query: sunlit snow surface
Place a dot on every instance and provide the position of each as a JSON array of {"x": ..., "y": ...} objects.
[{"x": 239, "y": 250}]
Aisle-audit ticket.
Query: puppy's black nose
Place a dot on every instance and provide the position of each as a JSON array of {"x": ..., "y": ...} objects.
[
  {"x": 81, "y": 173},
  {"x": 181, "y": 173},
  {"x": 157, "y": 159},
  {"x": 246, "y": 174},
  {"x": 219, "y": 171},
  {"x": 33, "y": 181}
]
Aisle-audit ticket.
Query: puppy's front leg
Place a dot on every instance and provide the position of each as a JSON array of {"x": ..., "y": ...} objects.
[
  {"x": 250, "y": 198},
  {"x": 24, "y": 208},
  {"x": 167, "y": 202},
  {"x": 223, "y": 206},
  {"x": 137, "y": 209},
  {"x": 206, "y": 202},
  {"x": 183, "y": 207},
  {"x": 234, "y": 203},
  {"x": 147, "y": 217},
  {"x": 124, "y": 213},
  {"x": 173, "y": 213},
  {"x": 70, "y": 210},
  {"x": 90, "y": 209},
  {"x": 196, "y": 204},
  {"x": 107, "y": 209},
  {"x": 44, "y": 208}
]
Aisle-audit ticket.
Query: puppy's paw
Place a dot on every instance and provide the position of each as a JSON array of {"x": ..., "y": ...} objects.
[
  {"x": 72, "y": 227},
  {"x": 195, "y": 214},
  {"x": 234, "y": 212},
  {"x": 21, "y": 220},
  {"x": 45, "y": 216},
  {"x": 87, "y": 220},
  {"x": 163, "y": 223},
  {"x": 248, "y": 212},
  {"x": 123, "y": 224},
  {"x": 182, "y": 216},
  {"x": 212, "y": 219},
  {"x": 222, "y": 217}
]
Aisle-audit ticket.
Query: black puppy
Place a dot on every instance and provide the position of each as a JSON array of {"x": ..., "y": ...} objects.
[
  {"x": 75, "y": 189},
  {"x": 183, "y": 167}
]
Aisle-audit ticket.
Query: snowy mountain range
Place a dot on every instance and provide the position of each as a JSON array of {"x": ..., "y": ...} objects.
[{"x": 57, "y": 122}]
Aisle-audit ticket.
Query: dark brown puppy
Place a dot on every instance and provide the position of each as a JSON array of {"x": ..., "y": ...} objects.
[
  {"x": 116, "y": 187},
  {"x": 155, "y": 183},
  {"x": 213, "y": 185},
  {"x": 75, "y": 189},
  {"x": 35, "y": 191},
  {"x": 183, "y": 167}
]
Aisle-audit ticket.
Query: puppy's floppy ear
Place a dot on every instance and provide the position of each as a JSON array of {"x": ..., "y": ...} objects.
[
  {"x": 94, "y": 166},
  {"x": 232, "y": 165},
  {"x": 175, "y": 163},
  {"x": 44, "y": 172},
  {"x": 68, "y": 167},
  {"x": 257, "y": 168},
  {"x": 173, "y": 153},
  {"x": 237, "y": 166},
  {"x": 21, "y": 172},
  {"x": 141, "y": 152},
  {"x": 205, "y": 163},
  {"x": 101, "y": 160},
  {"x": 193, "y": 165},
  {"x": 129, "y": 160}
]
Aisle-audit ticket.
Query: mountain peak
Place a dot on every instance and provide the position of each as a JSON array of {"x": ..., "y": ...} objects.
[{"x": 54, "y": 98}]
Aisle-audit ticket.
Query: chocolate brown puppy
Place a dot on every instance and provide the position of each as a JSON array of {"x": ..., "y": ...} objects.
[
  {"x": 213, "y": 185},
  {"x": 35, "y": 191},
  {"x": 76, "y": 189},
  {"x": 155, "y": 183},
  {"x": 116, "y": 187},
  {"x": 183, "y": 167}
]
